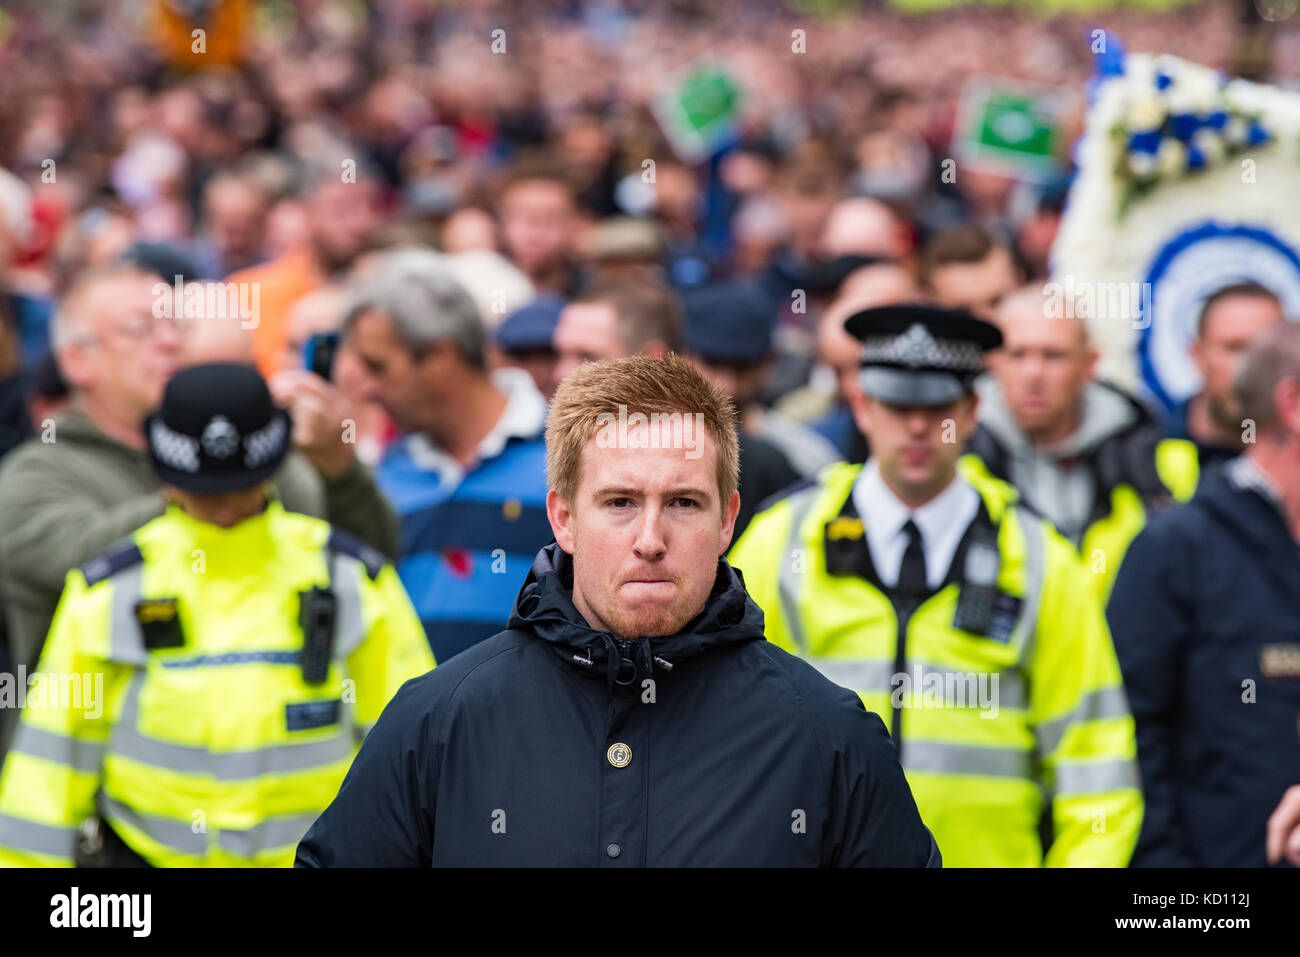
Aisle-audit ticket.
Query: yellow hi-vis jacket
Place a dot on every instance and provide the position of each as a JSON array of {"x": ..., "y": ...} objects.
[
  {"x": 1120, "y": 513},
  {"x": 990, "y": 726},
  {"x": 1106, "y": 540},
  {"x": 171, "y": 698}
]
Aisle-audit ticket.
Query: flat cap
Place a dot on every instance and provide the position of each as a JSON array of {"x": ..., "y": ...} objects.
[
  {"x": 730, "y": 322},
  {"x": 532, "y": 326}
]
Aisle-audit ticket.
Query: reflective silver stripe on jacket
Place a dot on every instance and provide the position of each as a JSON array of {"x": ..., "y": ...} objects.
[
  {"x": 1026, "y": 628},
  {"x": 938, "y": 757},
  {"x": 125, "y": 642},
  {"x": 274, "y": 833},
  {"x": 349, "y": 624},
  {"x": 1094, "y": 706},
  {"x": 788, "y": 580},
  {"x": 856, "y": 674},
  {"x": 128, "y": 742},
  {"x": 75, "y": 753},
  {"x": 180, "y": 837},
  {"x": 1096, "y": 777},
  {"x": 20, "y": 834},
  {"x": 878, "y": 676},
  {"x": 177, "y": 836}
]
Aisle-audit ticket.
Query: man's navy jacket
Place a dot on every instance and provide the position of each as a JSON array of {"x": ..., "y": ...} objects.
[
  {"x": 552, "y": 744},
  {"x": 1205, "y": 616}
]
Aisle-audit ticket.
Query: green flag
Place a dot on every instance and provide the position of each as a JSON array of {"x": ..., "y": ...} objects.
[
  {"x": 1009, "y": 126},
  {"x": 698, "y": 110}
]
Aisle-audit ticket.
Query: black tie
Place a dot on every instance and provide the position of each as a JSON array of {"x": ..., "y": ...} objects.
[{"x": 911, "y": 574}]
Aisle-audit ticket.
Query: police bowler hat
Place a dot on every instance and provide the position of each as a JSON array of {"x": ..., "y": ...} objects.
[{"x": 217, "y": 430}]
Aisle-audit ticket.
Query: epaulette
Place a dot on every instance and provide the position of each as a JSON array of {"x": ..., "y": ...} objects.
[
  {"x": 118, "y": 558},
  {"x": 368, "y": 555}
]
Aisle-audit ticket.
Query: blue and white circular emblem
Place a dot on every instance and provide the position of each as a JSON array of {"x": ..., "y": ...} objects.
[{"x": 1185, "y": 272}]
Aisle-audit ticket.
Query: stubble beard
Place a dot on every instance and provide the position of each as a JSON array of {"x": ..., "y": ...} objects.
[
  {"x": 659, "y": 623},
  {"x": 656, "y": 621},
  {"x": 1223, "y": 415}
]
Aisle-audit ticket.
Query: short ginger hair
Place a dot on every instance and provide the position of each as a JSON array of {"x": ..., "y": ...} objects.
[{"x": 646, "y": 384}]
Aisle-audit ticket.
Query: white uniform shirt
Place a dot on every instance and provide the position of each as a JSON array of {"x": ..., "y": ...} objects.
[{"x": 942, "y": 521}]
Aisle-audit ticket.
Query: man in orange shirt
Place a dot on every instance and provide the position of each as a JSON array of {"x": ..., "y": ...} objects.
[{"x": 341, "y": 218}]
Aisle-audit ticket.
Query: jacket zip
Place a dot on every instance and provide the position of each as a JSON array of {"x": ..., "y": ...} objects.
[{"x": 900, "y": 667}]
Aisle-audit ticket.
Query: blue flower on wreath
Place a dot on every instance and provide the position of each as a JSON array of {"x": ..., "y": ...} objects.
[
  {"x": 1183, "y": 125},
  {"x": 1147, "y": 141}
]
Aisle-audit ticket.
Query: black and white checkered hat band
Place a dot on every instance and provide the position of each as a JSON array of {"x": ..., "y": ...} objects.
[
  {"x": 264, "y": 444},
  {"x": 181, "y": 452},
  {"x": 173, "y": 449},
  {"x": 918, "y": 349}
]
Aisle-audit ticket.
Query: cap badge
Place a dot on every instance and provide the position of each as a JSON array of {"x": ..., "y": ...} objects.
[
  {"x": 220, "y": 439},
  {"x": 917, "y": 347}
]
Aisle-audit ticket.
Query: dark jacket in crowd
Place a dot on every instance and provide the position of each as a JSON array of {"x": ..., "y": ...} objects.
[
  {"x": 15, "y": 423},
  {"x": 764, "y": 471},
  {"x": 1205, "y": 615},
  {"x": 552, "y": 744}
]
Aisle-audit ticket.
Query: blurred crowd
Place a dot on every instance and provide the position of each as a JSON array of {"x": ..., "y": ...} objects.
[
  {"x": 480, "y": 196},
  {"x": 134, "y": 138},
  {"x": 123, "y": 142}
]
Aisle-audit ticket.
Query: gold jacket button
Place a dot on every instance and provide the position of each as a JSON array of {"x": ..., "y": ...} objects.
[{"x": 620, "y": 755}]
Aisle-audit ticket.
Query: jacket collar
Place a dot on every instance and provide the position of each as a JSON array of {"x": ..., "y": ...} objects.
[
  {"x": 1243, "y": 505},
  {"x": 1244, "y": 473},
  {"x": 845, "y": 540},
  {"x": 544, "y": 609},
  {"x": 524, "y": 418},
  {"x": 1105, "y": 412}
]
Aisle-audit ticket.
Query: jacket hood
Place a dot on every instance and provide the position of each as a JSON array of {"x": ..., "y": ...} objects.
[
  {"x": 1106, "y": 412},
  {"x": 544, "y": 609}
]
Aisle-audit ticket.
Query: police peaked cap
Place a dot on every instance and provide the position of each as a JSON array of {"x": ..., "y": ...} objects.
[{"x": 916, "y": 354}]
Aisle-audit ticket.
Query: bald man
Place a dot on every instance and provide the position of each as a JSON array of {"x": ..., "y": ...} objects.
[
  {"x": 87, "y": 481},
  {"x": 469, "y": 228},
  {"x": 1089, "y": 458},
  {"x": 865, "y": 227}
]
